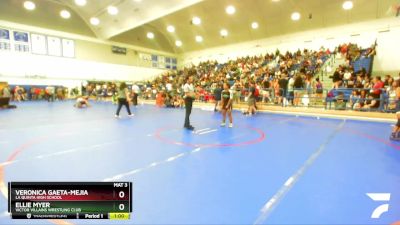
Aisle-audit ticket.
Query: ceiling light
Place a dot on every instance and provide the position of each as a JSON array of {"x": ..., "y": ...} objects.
[
  {"x": 137, "y": 0},
  {"x": 199, "y": 38},
  {"x": 80, "y": 2},
  {"x": 230, "y": 10},
  {"x": 150, "y": 35},
  {"x": 94, "y": 21},
  {"x": 29, "y": 5},
  {"x": 254, "y": 25},
  {"x": 276, "y": 0},
  {"x": 178, "y": 43},
  {"x": 196, "y": 20},
  {"x": 65, "y": 14},
  {"x": 347, "y": 5},
  {"x": 112, "y": 10},
  {"x": 296, "y": 16},
  {"x": 170, "y": 28},
  {"x": 224, "y": 33}
]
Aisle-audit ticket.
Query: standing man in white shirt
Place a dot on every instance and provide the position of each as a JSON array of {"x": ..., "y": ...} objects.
[
  {"x": 135, "y": 94},
  {"x": 168, "y": 86},
  {"x": 189, "y": 98},
  {"x": 291, "y": 90}
]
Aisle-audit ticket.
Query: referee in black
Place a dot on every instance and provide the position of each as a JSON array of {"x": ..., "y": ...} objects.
[{"x": 189, "y": 98}]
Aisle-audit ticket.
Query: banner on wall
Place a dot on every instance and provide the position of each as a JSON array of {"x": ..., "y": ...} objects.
[
  {"x": 68, "y": 48},
  {"x": 54, "y": 46},
  {"x": 154, "y": 61},
  {"x": 4, "y": 34},
  {"x": 161, "y": 62},
  {"x": 168, "y": 62},
  {"x": 21, "y": 41},
  {"x": 21, "y": 37},
  {"x": 145, "y": 57},
  {"x": 5, "y": 39},
  {"x": 38, "y": 44}
]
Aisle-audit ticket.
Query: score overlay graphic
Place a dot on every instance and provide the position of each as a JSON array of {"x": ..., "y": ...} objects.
[{"x": 70, "y": 200}]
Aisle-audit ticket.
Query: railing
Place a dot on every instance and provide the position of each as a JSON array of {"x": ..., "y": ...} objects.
[
  {"x": 324, "y": 69},
  {"x": 335, "y": 99}
]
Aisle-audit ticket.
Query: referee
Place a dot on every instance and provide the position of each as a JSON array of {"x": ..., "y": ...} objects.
[{"x": 189, "y": 98}]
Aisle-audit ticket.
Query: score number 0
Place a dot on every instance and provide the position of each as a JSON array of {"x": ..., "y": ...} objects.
[{"x": 121, "y": 194}]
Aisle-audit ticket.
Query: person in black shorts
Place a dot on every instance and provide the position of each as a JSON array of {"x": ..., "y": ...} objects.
[
  {"x": 226, "y": 105},
  {"x": 396, "y": 129},
  {"x": 251, "y": 99},
  {"x": 283, "y": 86},
  {"x": 217, "y": 96}
]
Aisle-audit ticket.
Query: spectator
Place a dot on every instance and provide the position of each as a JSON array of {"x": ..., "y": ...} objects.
[
  {"x": 319, "y": 89},
  {"x": 74, "y": 92},
  {"x": 340, "y": 104},
  {"x": 346, "y": 77},
  {"x": 237, "y": 87},
  {"x": 50, "y": 92},
  {"x": 60, "y": 94},
  {"x": 251, "y": 99},
  {"x": 217, "y": 96},
  {"x": 367, "y": 83},
  {"x": 298, "y": 87},
  {"x": 354, "y": 99},
  {"x": 283, "y": 86},
  {"x": 372, "y": 102},
  {"x": 98, "y": 92},
  {"x": 169, "y": 102},
  {"x": 18, "y": 94},
  {"x": 266, "y": 89},
  {"x": 160, "y": 99},
  {"x": 309, "y": 84},
  {"x": 387, "y": 78},
  {"x": 291, "y": 90},
  {"x": 6, "y": 92},
  {"x": 135, "y": 94},
  {"x": 178, "y": 102},
  {"x": 361, "y": 100},
  {"x": 394, "y": 96},
  {"x": 336, "y": 78},
  {"x": 352, "y": 80},
  {"x": 378, "y": 86},
  {"x": 276, "y": 90}
]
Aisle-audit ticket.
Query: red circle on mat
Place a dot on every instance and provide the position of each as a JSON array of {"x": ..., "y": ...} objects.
[{"x": 260, "y": 138}]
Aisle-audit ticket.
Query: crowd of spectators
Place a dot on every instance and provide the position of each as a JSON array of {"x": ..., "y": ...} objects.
[
  {"x": 285, "y": 79},
  {"x": 345, "y": 75},
  {"x": 28, "y": 93},
  {"x": 366, "y": 92},
  {"x": 290, "y": 78},
  {"x": 352, "y": 52},
  {"x": 274, "y": 75}
]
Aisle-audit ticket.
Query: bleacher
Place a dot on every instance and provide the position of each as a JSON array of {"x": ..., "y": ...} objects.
[{"x": 363, "y": 62}]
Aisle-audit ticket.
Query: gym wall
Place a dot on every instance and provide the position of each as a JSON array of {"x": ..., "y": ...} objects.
[
  {"x": 385, "y": 31},
  {"x": 93, "y": 60}
]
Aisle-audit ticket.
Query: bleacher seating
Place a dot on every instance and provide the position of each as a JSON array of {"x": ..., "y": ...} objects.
[{"x": 363, "y": 62}]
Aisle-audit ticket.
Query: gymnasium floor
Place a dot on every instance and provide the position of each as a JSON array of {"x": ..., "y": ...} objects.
[{"x": 268, "y": 169}]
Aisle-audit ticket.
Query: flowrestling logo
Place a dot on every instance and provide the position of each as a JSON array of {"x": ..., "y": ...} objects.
[{"x": 384, "y": 198}]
